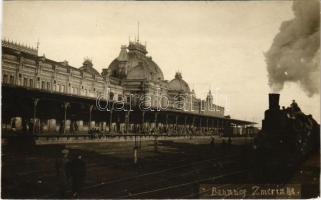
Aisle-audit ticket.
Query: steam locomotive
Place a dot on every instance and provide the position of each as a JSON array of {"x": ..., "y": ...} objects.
[{"x": 287, "y": 136}]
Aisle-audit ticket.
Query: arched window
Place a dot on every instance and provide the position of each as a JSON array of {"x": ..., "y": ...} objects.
[
  {"x": 38, "y": 83},
  {"x": 25, "y": 82},
  {"x": 20, "y": 80},
  {"x": 31, "y": 82},
  {"x": 11, "y": 79},
  {"x": 5, "y": 78},
  {"x": 111, "y": 95},
  {"x": 54, "y": 86}
]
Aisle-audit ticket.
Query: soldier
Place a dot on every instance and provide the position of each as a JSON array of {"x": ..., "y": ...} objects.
[
  {"x": 78, "y": 174},
  {"x": 13, "y": 125},
  {"x": 212, "y": 141},
  {"x": 37, "y": 126},
  {"x": 31, "y": 124},
  {"x": 72, "y": 127},
  {"x": 63, "y": 172},
  {"x": 62, "y": 127},
  {"x": 75, "y": 126},
  {"x": 223, "y": 145},
  {"x": 212, "y": 144},
  {"x": 229, "y": 143},
  {"x": 294, "y": 107}
]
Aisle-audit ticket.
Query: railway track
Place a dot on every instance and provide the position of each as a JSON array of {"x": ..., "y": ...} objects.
[
  {"x": 162, "y": 189},
  {"x": 184, "y": 175},
  {"x": 169, "y": 178},
  {"x": 161, "y": 171},
  {"x": 167, "y": 167}
]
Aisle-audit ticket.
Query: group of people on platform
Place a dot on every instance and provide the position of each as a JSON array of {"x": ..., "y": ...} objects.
[
  {"x": 73, "y": 127},
  {"x": 38, "y": 127},
  {"x": 70, "y": 172},
  {"x": 28, "y": 126},
  {"x": 158, "y": 130}
]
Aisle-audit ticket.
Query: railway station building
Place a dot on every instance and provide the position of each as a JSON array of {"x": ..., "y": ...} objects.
[{"x": 44, "y": 96}]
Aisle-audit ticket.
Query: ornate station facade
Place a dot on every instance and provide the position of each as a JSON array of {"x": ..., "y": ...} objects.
[{"x": 43, "y": 96}]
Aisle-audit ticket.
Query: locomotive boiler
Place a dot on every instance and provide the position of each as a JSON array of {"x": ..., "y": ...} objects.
[{"x": 287, "y": 136}]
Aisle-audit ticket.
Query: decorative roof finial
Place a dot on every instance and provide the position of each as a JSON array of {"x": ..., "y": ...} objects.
[
  {"x": 138, "y": 31},
  {"x": 38, "y": 44}
]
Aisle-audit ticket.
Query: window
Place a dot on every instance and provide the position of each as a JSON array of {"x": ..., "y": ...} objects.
[
  {"x": 120, "y": 98},
  {"x": 54, "y": 86},
  {"x": 20, "y": 80},
  {"x": 25, "y": 82},
  {"x": 111, "y": 96},
  {"x": 5, "y": 78},
  {"x": 43, "y": 86},
  {"x": 31, "y": 82},
  {"x": 38, "y": 83},
  {"x": 48, "y": 85},
  {"x": 11, "y": 79}
]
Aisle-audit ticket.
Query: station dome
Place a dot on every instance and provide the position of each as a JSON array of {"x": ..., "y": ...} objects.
[
  {"x": 132, "y": 63},
  {"x": 178, "y": 84}
]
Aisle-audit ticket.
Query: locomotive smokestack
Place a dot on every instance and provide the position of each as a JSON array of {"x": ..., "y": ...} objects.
[{"x": 274, "y": 101}]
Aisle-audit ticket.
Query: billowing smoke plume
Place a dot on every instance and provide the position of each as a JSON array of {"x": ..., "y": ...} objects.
[{"x": 295, "y": 53}]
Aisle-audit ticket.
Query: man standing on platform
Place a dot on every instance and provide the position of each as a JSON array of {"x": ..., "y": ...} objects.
[
  {"x": 78, "y": 174},
  {"x": 63, "y": 172}
]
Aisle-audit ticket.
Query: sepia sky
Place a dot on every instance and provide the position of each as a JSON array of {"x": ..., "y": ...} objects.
[{"x": 216, "y": 45}]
